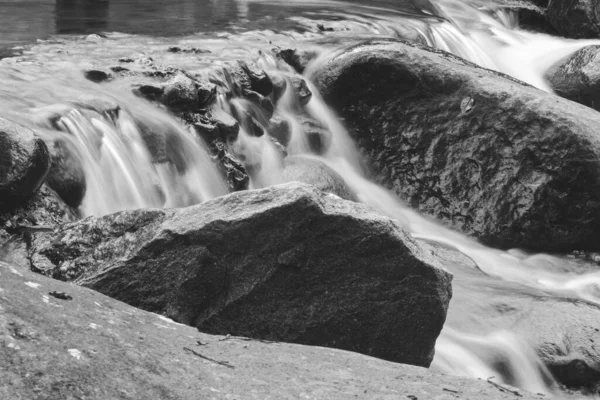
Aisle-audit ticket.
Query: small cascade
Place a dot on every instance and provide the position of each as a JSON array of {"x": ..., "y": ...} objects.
[{"x": 147, "y": 161}]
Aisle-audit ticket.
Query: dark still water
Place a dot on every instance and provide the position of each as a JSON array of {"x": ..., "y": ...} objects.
[{"x": 23, "y": 21}]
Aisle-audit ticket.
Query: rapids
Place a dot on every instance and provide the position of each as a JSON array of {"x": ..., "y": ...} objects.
[{"x": 121, "y": 171}]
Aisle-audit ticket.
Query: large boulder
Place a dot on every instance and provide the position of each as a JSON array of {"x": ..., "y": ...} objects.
[
  {"x": 482, "y": 152},
  {"x": 575, "y": 18},
  {"x": 286, "y": 263},
  {"x": 61, "y": 341},
  {"x": 577, "y": 77},
  {"x": 24, "y": 163}
]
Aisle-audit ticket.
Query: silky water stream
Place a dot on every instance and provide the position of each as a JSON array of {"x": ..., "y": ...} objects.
[{"x": 122, "y": 171}]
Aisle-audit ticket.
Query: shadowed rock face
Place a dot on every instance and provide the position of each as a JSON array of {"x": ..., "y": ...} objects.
[
  {"x": 482, "y": 152},
  {"x": 24, "y": 163},
  {"x": 285, "y": 263},
  {"x": 575, "y": 18},
  {"x": 95, "y": 347}
]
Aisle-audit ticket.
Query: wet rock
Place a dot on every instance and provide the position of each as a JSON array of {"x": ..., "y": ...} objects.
[
  {"x": 324, "y": 28},
  {"x": 280, "y": 130},
  {"x": 44, "y": 211},
  {"x": 303, "y": 93},
  {"x": 286, "y": 263},
  {"x": 577, "y": 77},
  {"x": 98, "y": 348},
  {"x": 563, "y": 332},
  {"x": 265, "y": 104},
  {"x": 151, "y": 92},
  {"x": 97, "y": 76},
  {"x": 313, "y": 171},
  {"x": 259, "y": 80},
  {"x": 181, "y": 93},
  {"x": 575, "y": 18},
  {"x": 237, "y": 176},
  {"x": 24, "y": 164},
  {"x": 532, "y": 17},
  {"x": 66, "y": 176},
  {"x": 318, "y": 136},
  {"x": 227, "y": 126},
  {"x": 101, "y": 105},
  {"x": 207, "y": 93},
  {"x": 297, "y": 59},
  {"x": 482, "y": 152},
  {"x": 177, "y": 49},
  {"x": 279, "y": 86},
  {"x": 154, "y": 137},
  {"x": 236, "y": 79},
  {"x": 252, "y": 126}
]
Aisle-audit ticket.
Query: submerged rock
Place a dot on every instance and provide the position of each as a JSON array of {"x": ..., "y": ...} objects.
[
  {"x": 577, "y": 77},
  {"x": 97, "y": 75},
  {"x": 97, "y": 348},
  {"x": 66, "y": 176},
  {"x": 295, "y": 58},
  {"x": 575, "y": 18},
  {"x": 285, "y": 263},
  {"x": 24, "y": 164},
  {"x": 482, "y": 152},
  {"x": 565, "y": 333},
  {"x": 311, "y": 170}
]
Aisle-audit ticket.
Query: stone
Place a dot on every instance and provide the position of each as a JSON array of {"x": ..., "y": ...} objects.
[
  {"x": 151, "y": 92},
  {"x": 280, "y": 130},
  {"x": 97, "y": 76},
  {"x": 181, "y": 93},
  {"x": 101, "y": 105},
  {"x": 24, "y": 164},
  {"x": 564, "y": 332},
  {"x": 265, "y": 105},
  {"x": 66, "y": 175},
  {"x": 286, "y": 263},
  {"x": 577, "y": 77},
  {"x": 319, "y": 137},
  {"x": 484, "y": 153},
  {"x": 296, "y": 58},
  {"x": 313, "y": 171},
  {"x": 576, "y": 19},
  {"x": 259, "y": 80},
  {"x": 97, "y": 348}
]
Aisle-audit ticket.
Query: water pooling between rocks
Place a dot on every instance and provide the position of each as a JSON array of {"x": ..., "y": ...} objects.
[{"x": 131, "y": 154}]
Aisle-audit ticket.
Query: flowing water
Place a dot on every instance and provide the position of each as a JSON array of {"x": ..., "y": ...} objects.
[{"x": 136, "y": 155}]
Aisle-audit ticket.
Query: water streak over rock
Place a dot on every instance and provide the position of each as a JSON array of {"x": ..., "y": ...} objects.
[{"x": 489, "y": 155}]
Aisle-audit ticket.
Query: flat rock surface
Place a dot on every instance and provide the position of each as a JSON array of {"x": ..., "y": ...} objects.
[{"x": 94, "y": 347}]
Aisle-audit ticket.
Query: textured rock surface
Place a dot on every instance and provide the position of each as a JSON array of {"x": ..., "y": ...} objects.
[
  {"x": 24, "y": 164},
  {"x": 575, "y": 18},
  {"x": 94, "y": 347},
  {"x": 577, "y": 77},
  {"x": 284, "y": 263},
  {"x": 484, "y": 153}
]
